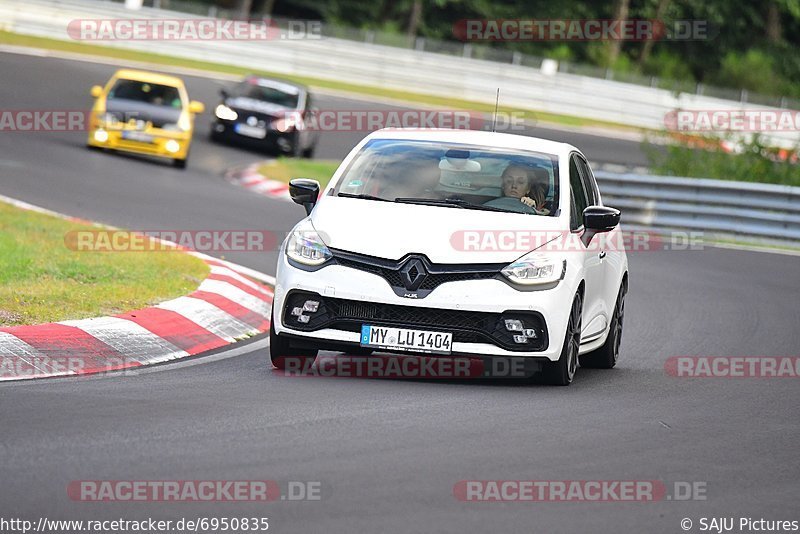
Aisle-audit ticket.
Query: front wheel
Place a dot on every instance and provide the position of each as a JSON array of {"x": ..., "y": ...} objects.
[
  {"x": 606, "y": 356},
  {"x": 561, "y": 372},
  {"x": 283, "y": 356},
  {"x": 308, "y": 153},
  {"x": 179, "y": 163}
]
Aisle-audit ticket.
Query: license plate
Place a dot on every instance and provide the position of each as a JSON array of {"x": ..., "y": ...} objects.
[
  {"x": 389, "y": 337},
  {"x": 250, "y": 131},
  {"x": 137, "y": 136}
]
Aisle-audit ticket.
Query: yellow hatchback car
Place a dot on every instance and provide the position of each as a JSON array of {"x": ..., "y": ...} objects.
[{"x": 145, "y": 113}]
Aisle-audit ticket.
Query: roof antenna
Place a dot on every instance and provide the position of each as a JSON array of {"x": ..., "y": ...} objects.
[{"x": 496, "y": 103}]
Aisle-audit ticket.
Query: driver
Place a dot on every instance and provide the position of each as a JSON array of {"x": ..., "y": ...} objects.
[{"x": 518, "y": 183}]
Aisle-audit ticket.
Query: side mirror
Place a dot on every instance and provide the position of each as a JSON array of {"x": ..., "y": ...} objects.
[
  {"x": 224, "y": 93},
  {"x": 600, "y": 218},
  {"x": 305, "y": 192},
  {"x": 96, "y": 91},
  {"x": 196, "y": 107}
]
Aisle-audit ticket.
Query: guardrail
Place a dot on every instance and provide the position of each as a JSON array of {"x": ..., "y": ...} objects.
[
  {"x": 385, "y": 67},
  {"x": 763, "y": 211},
  {"x": 715, "y": 207}
]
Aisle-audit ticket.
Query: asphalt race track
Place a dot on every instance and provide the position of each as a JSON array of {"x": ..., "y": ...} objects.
[{"x": 389, "y": 452}]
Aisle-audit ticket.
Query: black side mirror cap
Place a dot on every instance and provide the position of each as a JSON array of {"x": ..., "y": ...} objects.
[
  {"x": 224, "y": 93},
  {"x": 600, "y": 218},
  {"x": 305, "y": 192}
]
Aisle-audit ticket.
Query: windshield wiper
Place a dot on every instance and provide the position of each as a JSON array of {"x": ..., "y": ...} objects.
[
  {"x": 364, "y": 197},
  {"x": 453, "y": 202}
]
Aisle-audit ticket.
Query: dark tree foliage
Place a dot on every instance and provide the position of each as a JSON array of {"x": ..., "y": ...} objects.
[{"x": 755, "y": 44}]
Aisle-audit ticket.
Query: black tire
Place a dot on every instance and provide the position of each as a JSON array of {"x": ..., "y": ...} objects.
[
  {"x": 280, "y": 351},
  {"x": 606, "y": 356},
  {"x": 562, "y": 372},
  {"x": 297, "y": 149},
  {"x": 179, "y": 163},
  {"x": 309, "y": 152},
  {"x": 95, "y": 148}
]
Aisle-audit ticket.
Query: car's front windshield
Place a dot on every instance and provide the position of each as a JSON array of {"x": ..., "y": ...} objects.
[
  {"x": 272, "y": 92},
  {"x": 146, "y": 93},
  {"x": 453, "y": 175}
]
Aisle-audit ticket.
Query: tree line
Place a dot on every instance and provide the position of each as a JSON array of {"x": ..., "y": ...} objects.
[{"x": 753, "y": 44}]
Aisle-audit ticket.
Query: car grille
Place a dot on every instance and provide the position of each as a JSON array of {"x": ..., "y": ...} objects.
[
  {"x": 437, "y": 274},
  {"x": 466, "y": 326},
  {"x": 264, "y": 120}
]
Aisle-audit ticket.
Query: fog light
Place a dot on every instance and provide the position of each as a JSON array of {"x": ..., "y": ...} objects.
[
  {"x": 520, "y": 339},
  {"x": 311, "y": 306},
  {"x": 530, "y": 332},
  {"x": 172, "y": 146},
  {"x": 297, "y": 312},
  {"x": 513, "y": 325},
  {"x": 304, "y": 318},
  {"x": 101, "y": 136}
]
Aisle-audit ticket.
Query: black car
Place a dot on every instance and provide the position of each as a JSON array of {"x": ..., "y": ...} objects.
[{"x": 266, "y": 113}]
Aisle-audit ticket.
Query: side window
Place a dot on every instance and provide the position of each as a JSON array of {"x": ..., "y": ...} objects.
[
  {"x": 590, "y": 184},
  {"x": 578, "y": 192}
]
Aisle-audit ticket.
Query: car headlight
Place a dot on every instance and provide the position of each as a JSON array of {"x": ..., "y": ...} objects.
[
  {"x": 183, "y": 125},
  {"x": 535, "y": 268},
  {"x": 287, "y": 123},
  {"x": 225, "y": 113},
  {"x": 110, "y": 119},
  {"x": 306, "y": 246}
]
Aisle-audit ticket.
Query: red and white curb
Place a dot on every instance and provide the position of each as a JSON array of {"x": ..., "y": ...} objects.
[
  {"x": 251, "y": 178},
  {"x": 227, "y": 306}
]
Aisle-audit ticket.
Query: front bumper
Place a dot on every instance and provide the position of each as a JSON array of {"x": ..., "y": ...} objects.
[
  {"x": 283, "y": 142},
  {"x": 157, "y": 145},
  {"x": 472, "y": 310}
]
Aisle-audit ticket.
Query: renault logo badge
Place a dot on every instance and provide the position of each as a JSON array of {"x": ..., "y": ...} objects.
[{"x": 413, "y": 274}]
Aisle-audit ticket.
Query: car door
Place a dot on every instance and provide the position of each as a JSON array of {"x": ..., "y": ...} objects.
[
  {"x": 611, "y": 247},
  {"x": 582, "y": 195}
]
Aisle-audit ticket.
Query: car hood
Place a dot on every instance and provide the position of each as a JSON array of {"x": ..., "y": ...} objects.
[
  {"x": 242, "y": 103},
  {"x": 443, "y": 234},
  {"x": 126, "y": 110}
]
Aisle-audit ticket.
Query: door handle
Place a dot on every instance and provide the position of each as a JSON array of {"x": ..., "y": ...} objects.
[{"x": 602, "y": 254}]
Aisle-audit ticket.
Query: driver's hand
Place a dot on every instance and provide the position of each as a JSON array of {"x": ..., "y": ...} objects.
[{"x": 528, "y": 201}]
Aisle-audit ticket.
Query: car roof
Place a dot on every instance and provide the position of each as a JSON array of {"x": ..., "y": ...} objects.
[
  {"x": 149, "y": 77},
  {"x": 275, "y": 81},
  {"x": 476, "y": 137}
]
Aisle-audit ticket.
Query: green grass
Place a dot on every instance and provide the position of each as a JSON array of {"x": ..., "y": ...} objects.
[
  {"x": 11, "y": 38},
  {"x": 753, "y": 244},
  {"x": 756, "y": 163},
  {"x": 42, "y": 280},
  {"x": 284, "y": 169}
]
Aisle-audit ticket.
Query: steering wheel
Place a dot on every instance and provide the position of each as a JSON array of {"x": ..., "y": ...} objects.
[{"x": 511, "y": 204}]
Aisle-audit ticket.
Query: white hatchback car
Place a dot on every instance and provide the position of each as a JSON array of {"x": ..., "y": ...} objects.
[{"x": 454, "y": 243}]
